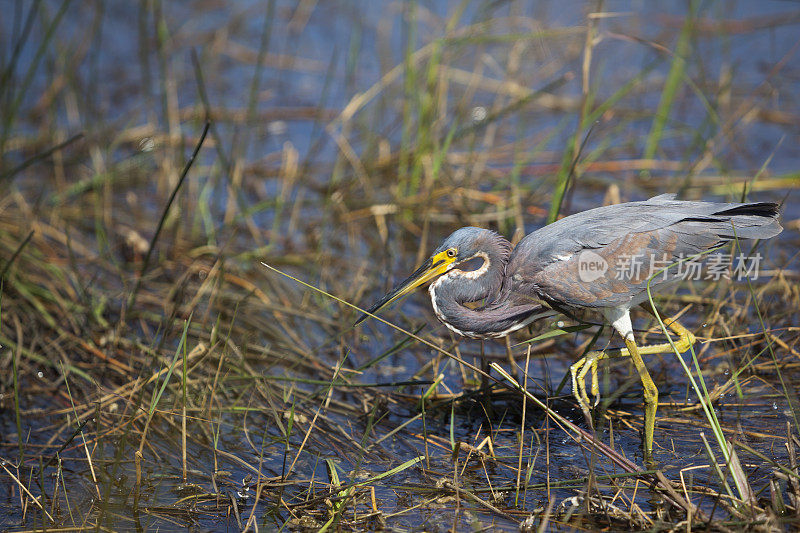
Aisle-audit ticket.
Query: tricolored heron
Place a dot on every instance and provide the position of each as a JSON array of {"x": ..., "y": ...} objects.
[{"x": 567, "y": 267}]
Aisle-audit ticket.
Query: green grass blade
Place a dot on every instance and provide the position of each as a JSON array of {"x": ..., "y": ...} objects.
[{"x": 673, "y": 83}]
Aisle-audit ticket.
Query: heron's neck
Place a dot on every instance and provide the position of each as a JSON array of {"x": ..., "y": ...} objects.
[
  {"x": 480, "y": 285},
  {"x": 495, "y": 315}
]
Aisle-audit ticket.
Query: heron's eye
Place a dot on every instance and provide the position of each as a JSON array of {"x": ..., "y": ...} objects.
[{"x": 452, "y": 252}]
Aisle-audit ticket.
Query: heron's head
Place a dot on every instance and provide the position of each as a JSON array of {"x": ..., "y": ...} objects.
[{"x": 461, "y": 246}]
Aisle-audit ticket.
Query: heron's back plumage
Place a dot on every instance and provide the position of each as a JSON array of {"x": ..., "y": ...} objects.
[{"x": 661, "y": 229}]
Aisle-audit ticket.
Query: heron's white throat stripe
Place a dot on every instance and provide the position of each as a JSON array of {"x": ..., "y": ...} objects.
[{"x": 472, "y": 274}]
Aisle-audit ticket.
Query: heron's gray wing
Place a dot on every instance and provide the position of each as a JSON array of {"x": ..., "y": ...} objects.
[
  {"x": 658, "y": 231},
  {"x": 600, "y": 226}
]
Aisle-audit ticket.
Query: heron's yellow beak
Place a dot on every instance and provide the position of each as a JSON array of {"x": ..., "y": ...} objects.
[{"x": 434, "y": 267}]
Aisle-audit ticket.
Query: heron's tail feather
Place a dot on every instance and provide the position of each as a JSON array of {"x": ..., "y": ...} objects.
[
  {"x": 735, "y": 221},
  {"x": 750, "y": 221}
]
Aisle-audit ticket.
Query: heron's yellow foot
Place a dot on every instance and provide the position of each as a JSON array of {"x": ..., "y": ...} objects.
[
  {"x": 578, "y": 371},
  {"x": 685, "y": 340}
]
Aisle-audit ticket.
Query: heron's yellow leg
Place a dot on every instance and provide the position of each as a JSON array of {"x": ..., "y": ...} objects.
[
  {"x": 650, "y": 395},
  {"x": 588, "y": 363}
]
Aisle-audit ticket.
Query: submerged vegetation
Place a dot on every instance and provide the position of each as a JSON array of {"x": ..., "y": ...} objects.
[{"x": 176, "y": 331}]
